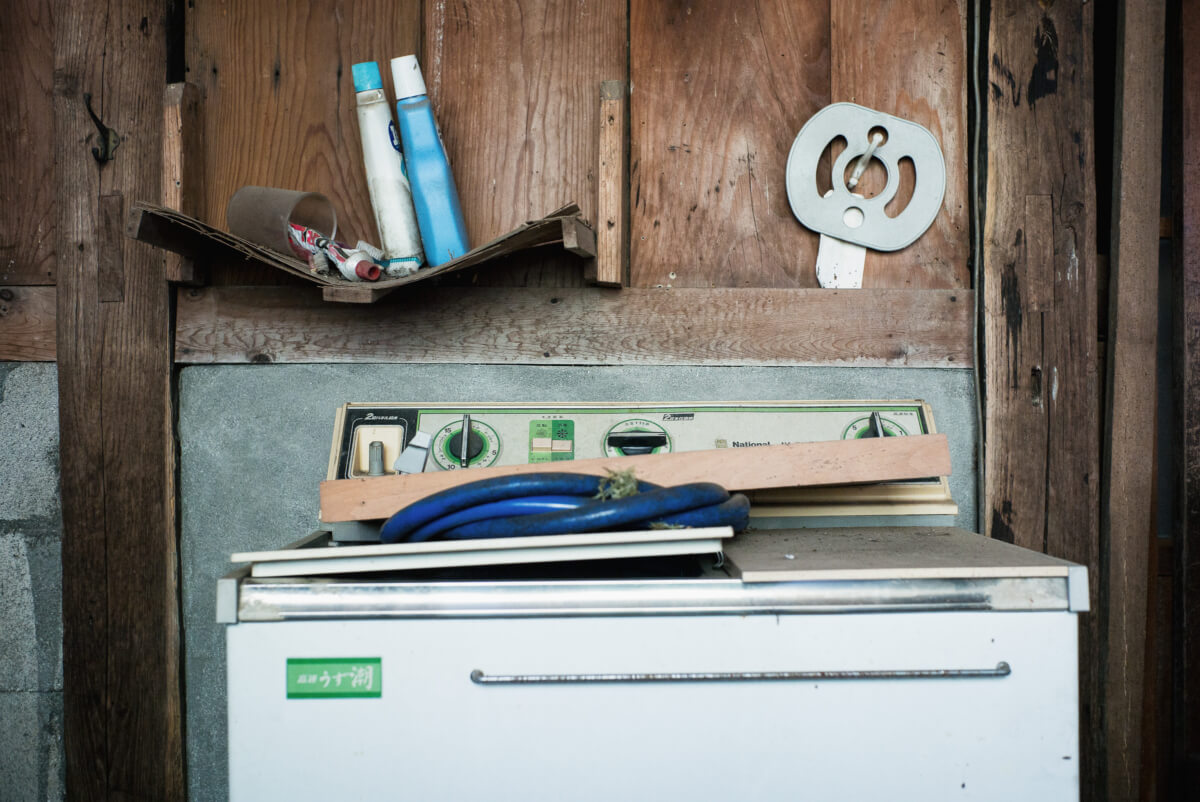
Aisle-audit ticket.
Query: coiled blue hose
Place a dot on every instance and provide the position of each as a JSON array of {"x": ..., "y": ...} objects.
[{"x": 558, "y": 503}]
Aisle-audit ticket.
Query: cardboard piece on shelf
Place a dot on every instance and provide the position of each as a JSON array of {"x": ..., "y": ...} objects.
[{"x": 183, "y": 234}]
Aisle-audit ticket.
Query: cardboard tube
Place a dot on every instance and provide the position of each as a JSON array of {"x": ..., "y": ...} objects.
[{"x": 262, "y": 214}]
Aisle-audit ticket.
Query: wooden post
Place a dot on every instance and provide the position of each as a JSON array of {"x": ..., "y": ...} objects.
[
  {"x": 1042, "y": 472},
  {"x": 1187, "y": 349},
  {"x": 121, "y": 673},
  {"x": 1126, "y": 510},
  {"x": 612, "y": 185}
]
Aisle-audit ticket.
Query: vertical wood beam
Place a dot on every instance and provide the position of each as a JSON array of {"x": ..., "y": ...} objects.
[
  {"x": 609, "y": 267},
  {"x": 121, "y": 676},
  {"x": 183, "y": 170},
  {"x": 1126, "y": 510},
  {"x": 1187, "y": 349},
  {"x": 1039, "y": 304}
]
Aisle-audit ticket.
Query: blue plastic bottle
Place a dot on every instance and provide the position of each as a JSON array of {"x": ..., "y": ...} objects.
[{"x": 439, "y": 215}]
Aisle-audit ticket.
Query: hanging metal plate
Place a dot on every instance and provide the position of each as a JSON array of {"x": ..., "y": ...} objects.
[{"x": 833, "y": 215}]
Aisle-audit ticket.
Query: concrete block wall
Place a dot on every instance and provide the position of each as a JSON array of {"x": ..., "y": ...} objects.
[{"x": 31, "y": 707}]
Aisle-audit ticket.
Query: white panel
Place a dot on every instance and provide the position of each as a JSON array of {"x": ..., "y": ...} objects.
[{"x": 436, "y": 735}]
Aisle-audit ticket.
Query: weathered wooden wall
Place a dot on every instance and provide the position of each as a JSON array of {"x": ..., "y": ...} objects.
[{"x": 718, "y": 93}]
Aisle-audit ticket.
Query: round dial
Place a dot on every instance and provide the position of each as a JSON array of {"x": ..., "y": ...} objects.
[
  {"x": 636, "y": 436},
  {"x": 863, "y": 427},
  {"x": 483, "y": 446}
]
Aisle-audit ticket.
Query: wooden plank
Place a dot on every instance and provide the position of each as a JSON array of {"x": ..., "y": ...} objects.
[
  {"x": 836, "y": 462},
  {"x": 718, "y": 96},
  {"x": 578, "y": 237},
  {"x": 915, "y": 328},
  {"x": 852, "y": 553},
  {"x": 27, "y": 324},
  {"x": 279, "y": 106},
  {"x": 1042, "y": 425},
  {"x": 522, "y": 138},
  {"x": 183, "y": 170},
  {"x": 28, "y": 215},
  {"x": 121, "y": 672},
  {"x": 917, "y": 70},
  {"x": 612, "y": 201},
  {"x": 1187, "y": 349},
  {"x": 1126, "y": 502}
]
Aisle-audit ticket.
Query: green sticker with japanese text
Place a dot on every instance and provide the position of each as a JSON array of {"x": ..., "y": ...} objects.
[{"x": 334, "y": 677}]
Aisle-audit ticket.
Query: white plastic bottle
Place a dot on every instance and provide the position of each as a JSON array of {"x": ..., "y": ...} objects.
[{"x": 391, "y": 195}]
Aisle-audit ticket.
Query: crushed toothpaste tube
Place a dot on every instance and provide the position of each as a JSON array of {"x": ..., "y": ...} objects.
[{"x": 319, "y": 251}]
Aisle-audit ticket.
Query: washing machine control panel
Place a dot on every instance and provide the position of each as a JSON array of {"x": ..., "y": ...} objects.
[{"x": 480, "y": 435}]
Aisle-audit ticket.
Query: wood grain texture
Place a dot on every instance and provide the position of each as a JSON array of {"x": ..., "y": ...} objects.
[
  {"x": 121, "y": 673},
  {"x": 719, "y": 93},
  {"x": 612, "y": 195},
  {"x": 1042, "y": 471},
  {"x": 183, "y": 169},
  {"x": 836, "y": 462},
  {"x": 1187, "y": 349},
  {"x": 908, "y": 58},
  {"x": 27, "y": 324},
  {"x": 853, "y": 553},
  {"x": 27, "y": 214},
  {"x": 930, "y": 328},
  {"x": 279, "y": 105},
  {"x": 110, "y": 261},
  {"x": 1126, "y": 503},
  {"x": 513, "y": 84}
]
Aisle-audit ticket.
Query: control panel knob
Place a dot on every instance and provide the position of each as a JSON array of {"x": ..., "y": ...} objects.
[
  {"x": 474, "y": 446},
  {"x": 633, "y": 443}
]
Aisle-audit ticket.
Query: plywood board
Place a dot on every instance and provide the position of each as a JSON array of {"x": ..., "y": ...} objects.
[
  {"x": 883, "y": 553},
  {"x": 719, "y": 93},
  {"x": 514, "y": 87},
  {"x": 581, "y": 326},
  {"x": 315, "y": 557},
  {"x": 795, "y": 465},
  {"x": 908, "y": 58}
]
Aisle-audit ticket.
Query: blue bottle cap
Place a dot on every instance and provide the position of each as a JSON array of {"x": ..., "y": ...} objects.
[{"x": 366, "y": 76}]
